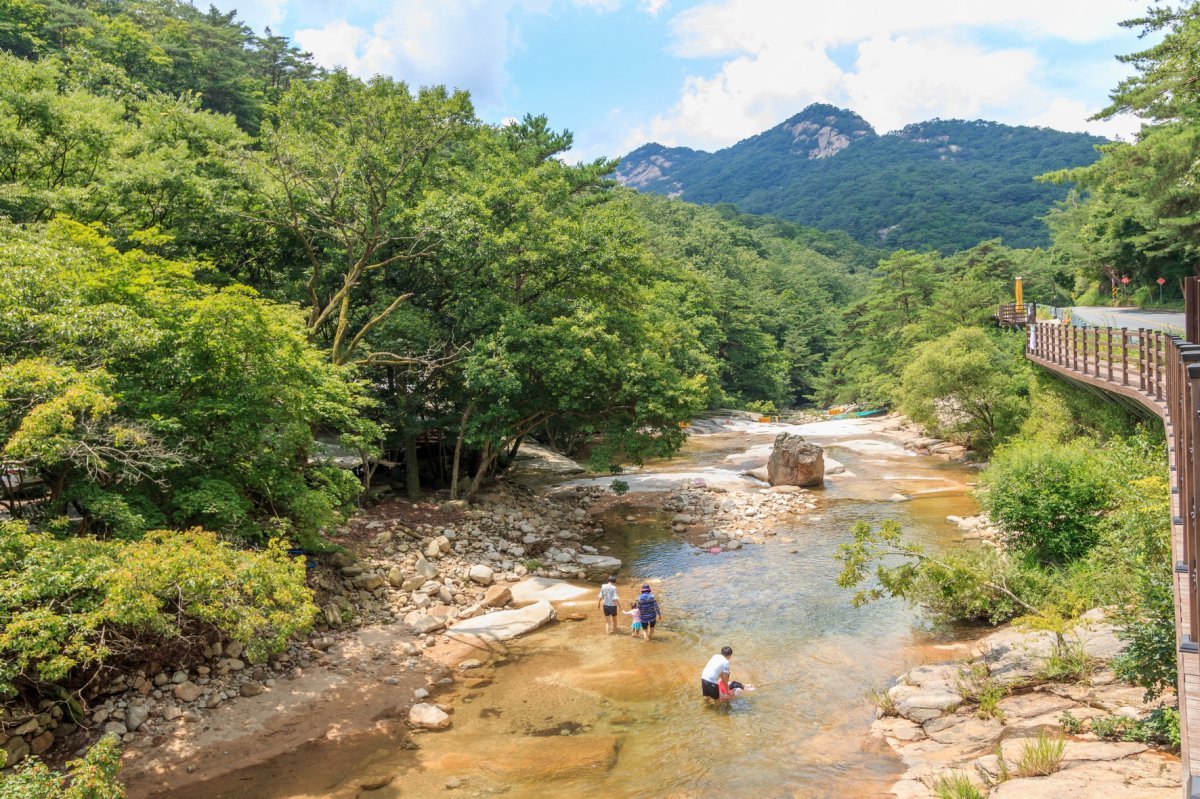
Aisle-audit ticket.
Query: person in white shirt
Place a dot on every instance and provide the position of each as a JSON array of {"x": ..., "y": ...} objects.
[
  {"x": 716, "y": 673},
  {"x": 608, "y": 600}
]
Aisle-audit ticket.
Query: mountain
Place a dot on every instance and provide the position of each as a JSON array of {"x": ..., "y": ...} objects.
[{"x": 942, "y": 184}]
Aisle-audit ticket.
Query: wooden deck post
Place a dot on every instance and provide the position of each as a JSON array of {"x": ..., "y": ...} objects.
[
  {"x": 1142, "y": 358},
  {"x": 1124, "y": 357},
  {"x": 1108, "y": 350}
]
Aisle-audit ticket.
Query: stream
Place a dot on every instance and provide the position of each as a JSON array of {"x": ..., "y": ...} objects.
[{"x": 570, "y": 711}]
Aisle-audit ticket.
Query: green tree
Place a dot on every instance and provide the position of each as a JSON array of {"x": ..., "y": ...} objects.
[
  {"x": 966, "y": 384},
  {"x": 1049, "y": 500},
  {"x": 344, "y": 171},
  {"x": 142, "y": 396}
]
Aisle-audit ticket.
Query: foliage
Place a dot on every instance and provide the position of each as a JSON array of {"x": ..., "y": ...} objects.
[
  {"x": 966, "y": 384},
  {"x": 955, "y": 785},
  {"x": 916, "y": 298},
  {"x": 976, "y": 684},
  {"x": 955, "y": 585},
  {"x": 1071, "y": 724},
  {"x": 70, "y": 605},
  {"x": 1140, "y": 216},
  {"x": 882, "y": 699},
  {"x": 619, "y": 487},
  {"x": 1048, "y": 500},
  {"x": 762, "y": 295},
  {"x": 140, "y": 396},
  {"x": 941, "y": 184},
  {"x": 1160, "y": 728},
  {"x": 93, "y": 776},
  {"x": 1040, "y": 755},
  {"x": 1067, "y": 661}
]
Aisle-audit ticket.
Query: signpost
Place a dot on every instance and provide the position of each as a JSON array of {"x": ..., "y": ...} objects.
[
  {"x": 1160, "y": 282},
  {"x": 1124, "y": 283}
]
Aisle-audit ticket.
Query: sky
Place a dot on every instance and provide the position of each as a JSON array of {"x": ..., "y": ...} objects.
[{"x": 707, "y": 73}]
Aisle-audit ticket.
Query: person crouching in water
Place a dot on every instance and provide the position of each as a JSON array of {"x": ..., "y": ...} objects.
[
  {"x": 714, "y": 680},
  {"x": 648, "y": 611}
]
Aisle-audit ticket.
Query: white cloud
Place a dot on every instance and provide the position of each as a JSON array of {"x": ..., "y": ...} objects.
[
  {"x": 654, "y": 7},
  {"x": 258, "y": 14},
  {"x": 460, "y": 43},
  {"x": 902, "y": 80},
  {"x": 1064, "y": 113},
  {"x": 915, "y": 61},
  {"x": 599, "y": 5}
]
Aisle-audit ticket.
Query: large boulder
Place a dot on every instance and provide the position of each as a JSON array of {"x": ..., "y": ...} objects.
[{"x": 795, "y": 462}]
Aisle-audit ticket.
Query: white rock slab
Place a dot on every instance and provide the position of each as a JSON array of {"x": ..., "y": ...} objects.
[
  {"x": 539, "y": 589},
  {"x": 505, "y": 624}
]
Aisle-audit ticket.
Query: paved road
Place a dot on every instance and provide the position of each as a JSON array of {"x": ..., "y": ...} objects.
[{"x": 1132, "y": 318}]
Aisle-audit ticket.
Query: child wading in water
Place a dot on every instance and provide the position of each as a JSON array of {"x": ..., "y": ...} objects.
[{"x": 636, "y": 615}]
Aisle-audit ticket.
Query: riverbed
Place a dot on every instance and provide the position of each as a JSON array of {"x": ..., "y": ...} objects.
[{"x": 570, "y": 711}]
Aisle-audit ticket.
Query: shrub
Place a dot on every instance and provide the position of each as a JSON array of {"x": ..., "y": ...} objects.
[
  {"x": 71, "y": 605},
  {"x": 962, "y": 589},
  {"x": 619, "y": 487},
  {"x": 1040, "y": 756},
  {"x": 94, "y": 776},
  {"x": 955, "y": 585},
  {"x": 955, "y": 785},
  {"x": 1048, "y": 499}
]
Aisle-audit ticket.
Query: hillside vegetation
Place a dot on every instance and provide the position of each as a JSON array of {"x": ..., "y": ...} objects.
[{"x": 942, "y": 184}]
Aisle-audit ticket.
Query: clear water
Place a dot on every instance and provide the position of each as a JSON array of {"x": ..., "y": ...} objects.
[{"x": 635, "y": 722}]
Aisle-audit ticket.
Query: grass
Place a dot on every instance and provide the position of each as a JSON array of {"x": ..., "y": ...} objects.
[
  {"x": 1067, "y": 661},
  {"x": 880, "y": 698},
  {"x": 976, "y": 684},
  {"x": 955, "y": 785},
  {"x": 1041, "y": 756}
]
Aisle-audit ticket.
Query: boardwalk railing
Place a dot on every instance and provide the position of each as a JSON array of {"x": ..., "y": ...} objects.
[
  {"x": 1016, "y": 315},
  {"x": 1160, "y": 372}
]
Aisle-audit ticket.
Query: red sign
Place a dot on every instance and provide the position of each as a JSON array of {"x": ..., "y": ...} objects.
[
  {"x": 1124, "y": 280},
  {"x": 1161, "y": 280}
]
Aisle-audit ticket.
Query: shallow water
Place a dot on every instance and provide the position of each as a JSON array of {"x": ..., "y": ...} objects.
[{"x": 634, "y": 721}]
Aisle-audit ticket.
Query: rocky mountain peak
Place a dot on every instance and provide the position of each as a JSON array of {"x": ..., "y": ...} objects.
[{"x": 822, "y": 131}]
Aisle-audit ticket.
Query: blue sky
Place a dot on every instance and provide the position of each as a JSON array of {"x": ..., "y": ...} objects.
[{"x": 707, "y": 73}]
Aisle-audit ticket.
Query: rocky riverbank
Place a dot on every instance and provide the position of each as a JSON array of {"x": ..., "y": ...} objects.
[
  {"x": 420, "y": 589},
  {"x": 975, "y": 717}
]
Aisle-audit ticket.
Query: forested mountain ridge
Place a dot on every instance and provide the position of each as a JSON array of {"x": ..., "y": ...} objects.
[{"x": 941, "y": 184}]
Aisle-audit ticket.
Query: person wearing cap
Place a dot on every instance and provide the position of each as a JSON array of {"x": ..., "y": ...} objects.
[
  {"x": 715, "y": 673},
  {"x": 650, "y": 613},
  {"x": 608, "y": 600}
]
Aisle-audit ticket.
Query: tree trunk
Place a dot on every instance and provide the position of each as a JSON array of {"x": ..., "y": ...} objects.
[
  {"x": 486, "y": 459},
  {"x": 412, "y": 470},
  {"x": 458, "y": 443}
]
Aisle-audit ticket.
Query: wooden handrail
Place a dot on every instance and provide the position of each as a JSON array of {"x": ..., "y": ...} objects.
[{"x": 1162, "y": 373}]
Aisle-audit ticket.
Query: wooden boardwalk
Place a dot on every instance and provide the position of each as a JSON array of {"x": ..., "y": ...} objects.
[{"x": 1160, "y": 374}]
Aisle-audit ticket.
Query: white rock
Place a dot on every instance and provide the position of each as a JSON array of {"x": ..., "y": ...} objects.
[
  {"x": 428, "y": 717},
  {"x": 505, "y": 624}
]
